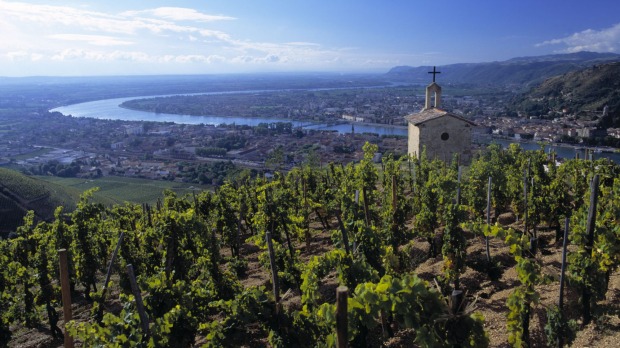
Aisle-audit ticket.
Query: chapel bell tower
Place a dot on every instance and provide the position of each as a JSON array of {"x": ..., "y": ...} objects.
[{"x": 433, "y": 90}]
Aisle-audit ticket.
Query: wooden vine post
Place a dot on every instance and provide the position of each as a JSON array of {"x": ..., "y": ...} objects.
[
  {"x": 144, "y": 320},
  {"x": 306, "y": 213},
  {"x": 107, "y": 276},
  {"x": 533, "y": 234},
  {"x": 525, "y": 323},
  {"x": 394, "y": 195},
  {"x": 288, "y": 237},
  {"x": 342, "y": 295},
  {"x": 458, "y": 187},
  {"x": 456, "y": 301},
  {"x": 365, "y": 206},
  {"x": 533, "y": 246},
  {"x": 562, "y": 271},
  {"x": 343, "y": 230},
  {"x": 355, "y": 215},
  {"x": 486, "y": 238},
  {"x": 274, "y": 271},
  {"x": 410, "y": 174},
  {"x": 585, "y": 296},
  {"x": 112, "y": 259},
  {"x": 414, "y": 178},
  {"x": 534, "y": 228},
  {"x": 525, "y": 335},
  {"x": 525, "y": 173},
  {"x": 239, "y": 232},
  {"x": 66, "y": 294}
]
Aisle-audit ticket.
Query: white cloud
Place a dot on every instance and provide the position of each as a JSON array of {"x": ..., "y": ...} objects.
[
  {"x": 103, "y": 56},
  {"x": 215, "y": 34},
  {"x": 131, "y": 56},
  {"x": 17, "y": 55},
  {"x": 97, "y": 40},
  {"x": 300, "y": 43},
  {"x": 212, "y": 59},
  {"x": 375, "y": 62},
  {"x": 126, "y": 23},
  {"x": 50, "y": 16},
  {"x": 271, "y": 58},
  {"x": 604, "y": 40},
  {"x": 23, "y": 56},
  {"x": 71, "y": 36},
  {"x": 178, "y": 14},
  {"x": 191, "y": 58}
]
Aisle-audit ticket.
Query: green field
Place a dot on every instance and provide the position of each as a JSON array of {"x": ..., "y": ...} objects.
[{"x": 119, "y": 189}]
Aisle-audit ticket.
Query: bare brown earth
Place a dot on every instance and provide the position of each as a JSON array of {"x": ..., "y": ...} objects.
[{"x": 489, "y": 297}]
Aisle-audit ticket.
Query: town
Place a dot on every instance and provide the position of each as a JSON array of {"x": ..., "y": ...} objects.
[{"x": 49, "y": 143}]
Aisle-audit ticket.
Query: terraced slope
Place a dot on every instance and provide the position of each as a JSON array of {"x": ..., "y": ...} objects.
[{"x": 20, "y": 193}]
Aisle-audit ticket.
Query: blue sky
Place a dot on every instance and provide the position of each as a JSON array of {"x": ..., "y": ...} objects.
[{"x": 67, "y": 37}]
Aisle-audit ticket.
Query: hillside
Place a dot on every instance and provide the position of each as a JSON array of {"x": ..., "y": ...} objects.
[
  {"x": 118, "y": 189},
  {"x": 20, "y": 193},
  {"x": 522, "y": 71},
  {"x": 583, "y": 93},
  {"x": 262, "y": 263}
]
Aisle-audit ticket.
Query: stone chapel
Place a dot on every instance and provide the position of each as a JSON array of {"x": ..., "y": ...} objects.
[{"x": 442, "y": 133}]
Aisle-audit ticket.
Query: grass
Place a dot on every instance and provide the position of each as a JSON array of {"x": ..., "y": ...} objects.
[{"x": 116, "y": 189}]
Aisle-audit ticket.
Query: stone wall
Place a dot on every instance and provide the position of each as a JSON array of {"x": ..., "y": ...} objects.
[{"x": 443, "y": 137}]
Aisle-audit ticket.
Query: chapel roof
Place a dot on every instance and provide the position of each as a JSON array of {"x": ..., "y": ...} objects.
[{"x": 431, "y": 114}]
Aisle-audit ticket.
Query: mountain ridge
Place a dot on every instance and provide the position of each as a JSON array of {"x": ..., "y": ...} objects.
[
  {"x": 584, "y": 92},
  {"x": 519, "y": 72}
]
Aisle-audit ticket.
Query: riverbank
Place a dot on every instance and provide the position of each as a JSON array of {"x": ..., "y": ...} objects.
[{"x": 562, "y": 150}]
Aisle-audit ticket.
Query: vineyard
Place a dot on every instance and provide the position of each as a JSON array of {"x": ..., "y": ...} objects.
[
  {"x": 411, "y": 253},
  {"x": 19, "y": 193}
]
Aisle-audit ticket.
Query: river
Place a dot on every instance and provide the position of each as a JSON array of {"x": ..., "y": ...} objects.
[
  {"x": 110, "y": 109},
  {"x": 563, "y": 151}
]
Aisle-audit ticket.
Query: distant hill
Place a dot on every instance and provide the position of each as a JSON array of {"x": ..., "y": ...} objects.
[
  {"x": 584, "y": 93},
  {"x": 20, "y": 193},
  {"x": 519, "y": 72}
]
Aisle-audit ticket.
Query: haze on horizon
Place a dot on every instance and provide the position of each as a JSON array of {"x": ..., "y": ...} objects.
[{"x": 138, "y": 37}]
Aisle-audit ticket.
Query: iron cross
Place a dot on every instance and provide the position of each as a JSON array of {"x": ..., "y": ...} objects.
[{"x": 434, "y": 72}]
